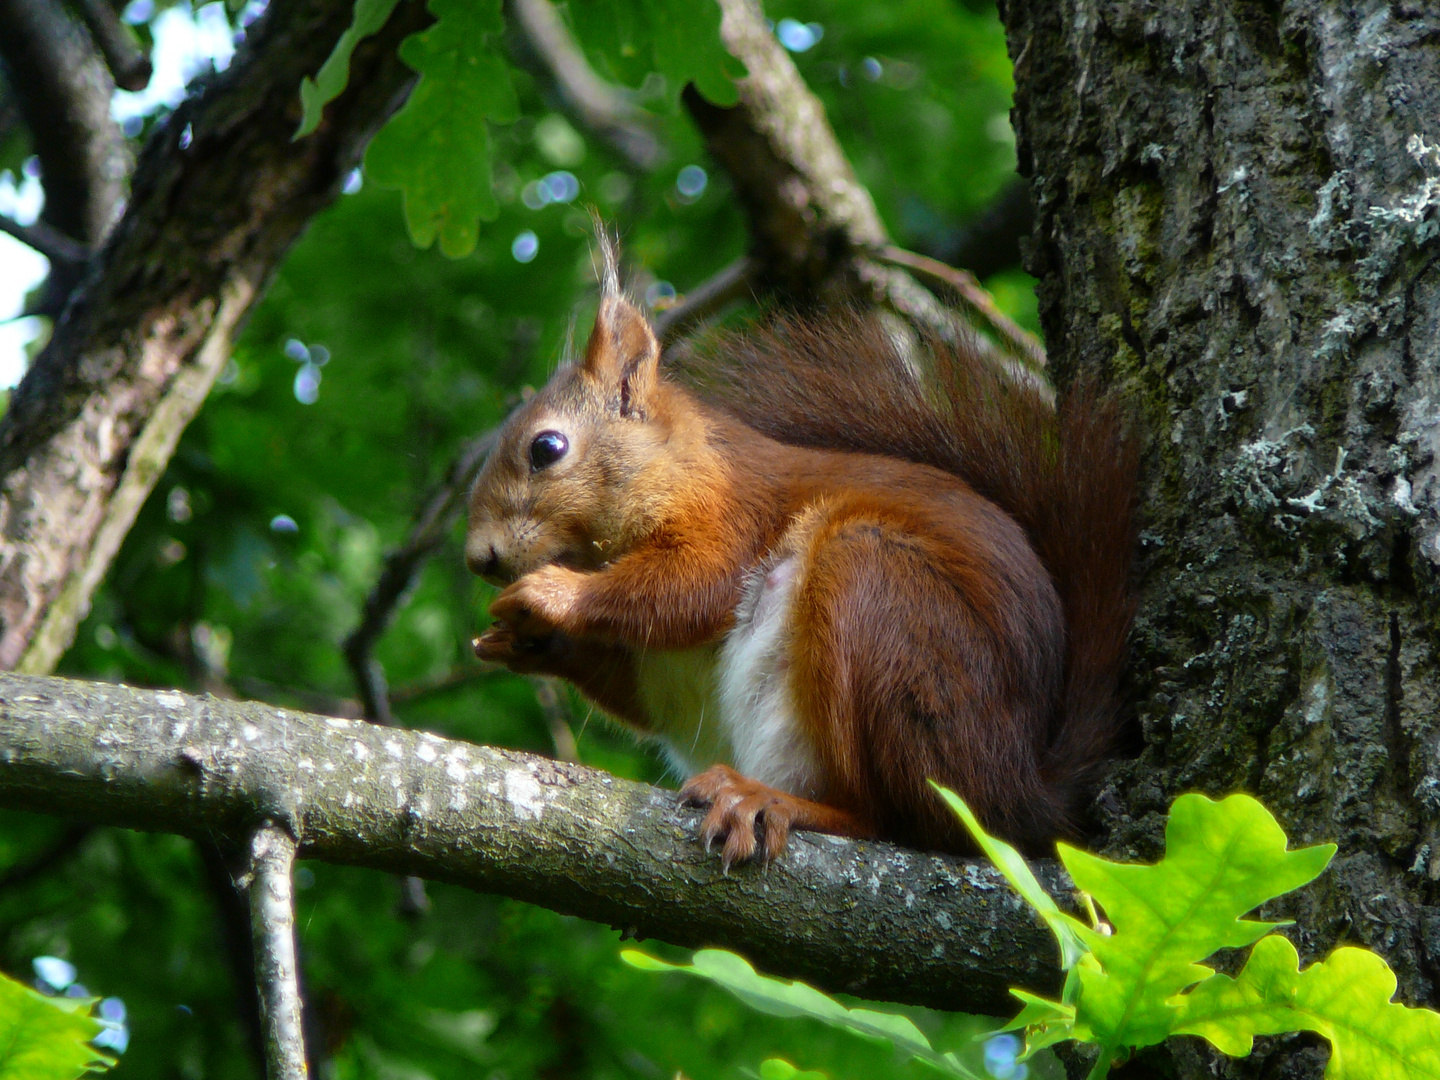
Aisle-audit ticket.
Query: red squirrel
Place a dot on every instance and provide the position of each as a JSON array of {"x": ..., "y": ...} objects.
[{"x": 829, "y": 567}]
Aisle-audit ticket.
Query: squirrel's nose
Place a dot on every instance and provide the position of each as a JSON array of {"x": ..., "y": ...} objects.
[{"x": 482, "y": 558}]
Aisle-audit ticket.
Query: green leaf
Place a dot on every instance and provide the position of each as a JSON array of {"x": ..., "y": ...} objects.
[
  {"x": 1016, "y": 871},
  {"x": 1222, "y": 860},
  {"x": 1346, "y": 998},
  {"x": 330, "y": 80},
  {"x": 1045, "y": 1023},
  {"x": 678, "y": 38},
  {"x": 436, "y": 150},
  {"x": 44, "y": 1038},
  {"x": 782, "y": 998},
  {"x": 780, "y": 1069}
]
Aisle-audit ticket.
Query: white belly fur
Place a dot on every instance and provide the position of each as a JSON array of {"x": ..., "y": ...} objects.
[
  {"x": 757, "y": 705},
  {"x": 677, "y": 688},
  {"x": 732, "y": 703}
]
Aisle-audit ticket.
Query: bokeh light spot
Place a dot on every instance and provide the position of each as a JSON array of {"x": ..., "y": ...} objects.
[
  {"x": 797, "y": 36},
  {"x": 525, "y": 247}
]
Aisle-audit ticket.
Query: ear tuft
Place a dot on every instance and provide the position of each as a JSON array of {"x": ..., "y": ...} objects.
[{"x": 622, "y": 354}]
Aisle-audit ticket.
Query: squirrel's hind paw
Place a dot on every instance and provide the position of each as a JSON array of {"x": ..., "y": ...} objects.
[{"x": 749, "y": 817}]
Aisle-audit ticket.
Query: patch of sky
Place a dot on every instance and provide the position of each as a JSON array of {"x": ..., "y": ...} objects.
[
  {"x": 22, "y": 268},
  {"x": 187, "y": 44}
]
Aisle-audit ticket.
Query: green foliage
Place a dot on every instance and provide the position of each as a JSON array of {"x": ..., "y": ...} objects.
[
  {"x": 679, "y": 39},
  {"x": 1142, "y": 976},
  {"x": 330, "y": 80},
  {"x": 1135, "y": 972},
  {"x": 1346, "y": 998},
  {"x": 436, "y": 149},
  {"x": 46, "y": 1038},
  {"x": 780, "y": 997},
  {"x": 1222, "y": 859},
  {"x": 780, "y": 1069}
]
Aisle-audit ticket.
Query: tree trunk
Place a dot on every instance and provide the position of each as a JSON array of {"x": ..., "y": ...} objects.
[
  {"x": 219, "y": 195},
  {"x": 1237, "y": 225}
]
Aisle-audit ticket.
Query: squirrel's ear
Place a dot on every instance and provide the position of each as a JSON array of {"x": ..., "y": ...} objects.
[{"x": 623, "y": 354}]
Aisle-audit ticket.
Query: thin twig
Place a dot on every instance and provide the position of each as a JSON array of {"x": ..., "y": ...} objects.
[
  {"x": 400, "y": 568},
  {"x": 272, "y": 920},
  {"x": 975, "y": 296},
  {"x": 127, "y": 62},
  {"x": 221, "y": 867},
  {"x": 708, "y": 298},
  {"x": 47, "y": 240},
  {"x": 557, "y": 717},
  {"x": 604, "y": 108}
]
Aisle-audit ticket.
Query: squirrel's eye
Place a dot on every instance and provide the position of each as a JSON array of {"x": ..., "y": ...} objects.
[{"x": 547, "y": 448}]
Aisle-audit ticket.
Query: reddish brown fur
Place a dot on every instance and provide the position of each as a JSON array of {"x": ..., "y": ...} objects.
[{"x": 963, "y": 607}]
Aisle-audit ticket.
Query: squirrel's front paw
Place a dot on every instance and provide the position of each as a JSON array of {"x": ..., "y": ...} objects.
[
  {"x": 501, "y": 645},
  {"x": 739, "y": 809},
  {"x": 539, "y": 603}
]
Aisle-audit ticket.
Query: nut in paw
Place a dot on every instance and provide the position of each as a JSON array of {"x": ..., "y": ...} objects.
[{"x": 500, "y": 644}]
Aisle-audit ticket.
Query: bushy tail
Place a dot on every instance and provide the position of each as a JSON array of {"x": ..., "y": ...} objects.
[{"x": 1067, "y": 474}]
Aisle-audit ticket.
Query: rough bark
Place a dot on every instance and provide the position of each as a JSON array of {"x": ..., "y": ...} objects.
[
  {"x": 1237, "y": 225},
  {"x": 866, "y": 918},
  {"x": 219, "y": 195}
]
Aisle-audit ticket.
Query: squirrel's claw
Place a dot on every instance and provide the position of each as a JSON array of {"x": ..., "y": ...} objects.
[{"x": 739, "y": 809}]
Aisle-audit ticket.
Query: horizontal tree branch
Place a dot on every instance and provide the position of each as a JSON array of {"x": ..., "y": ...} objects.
[
  {"x": 47, "y": 240},
  {"x": 866, "y": 918}
]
